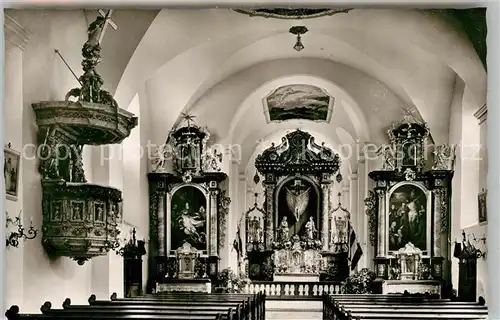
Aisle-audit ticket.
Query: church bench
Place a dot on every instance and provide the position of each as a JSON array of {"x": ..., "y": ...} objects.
[
  {"x": 120, "y": 311},
  {"x": 13, "y": 314},
  {"x": 255, "y": 303},
  {"x": 398, "y": 308},
  {"x": 249, "y": 306}
]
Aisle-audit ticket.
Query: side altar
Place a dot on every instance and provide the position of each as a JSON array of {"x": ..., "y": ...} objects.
[
  {"x": 409, "y": 211},
  {"x": 188, "y": 208},
  {"x": 296, "y": 236}
]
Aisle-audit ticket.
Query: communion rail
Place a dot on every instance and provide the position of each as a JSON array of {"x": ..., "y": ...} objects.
[{"x": 293, "y": 290}]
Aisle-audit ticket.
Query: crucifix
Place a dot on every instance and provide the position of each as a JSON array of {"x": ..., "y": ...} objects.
[{"x": 108, "y": 21}]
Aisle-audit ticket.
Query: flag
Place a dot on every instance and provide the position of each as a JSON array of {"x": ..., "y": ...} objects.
[{"x": 355, "y": 250}]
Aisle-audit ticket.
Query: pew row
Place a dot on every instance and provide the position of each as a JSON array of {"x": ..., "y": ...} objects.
[
  {"x": 183, "y": 307},
  {"x": 349, "y": 307}
]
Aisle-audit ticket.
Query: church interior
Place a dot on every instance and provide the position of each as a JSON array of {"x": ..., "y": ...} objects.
[{"x": 232, "y": 163}]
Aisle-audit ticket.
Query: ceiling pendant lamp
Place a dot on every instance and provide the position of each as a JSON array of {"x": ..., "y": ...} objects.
[{"x": 298, "y": 31}]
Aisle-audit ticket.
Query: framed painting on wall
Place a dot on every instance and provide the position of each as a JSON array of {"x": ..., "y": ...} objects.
[
  {"x": 11, "y": 163},
  {"x": 481, "y": 199}
]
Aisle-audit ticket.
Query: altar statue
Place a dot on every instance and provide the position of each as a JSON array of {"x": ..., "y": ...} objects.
[
  {"x": 444, "y": 157},
  {"x": 310, "y": 229},
  {"x": 389, "y": 155},
  {"x": 283, "y": 230}
]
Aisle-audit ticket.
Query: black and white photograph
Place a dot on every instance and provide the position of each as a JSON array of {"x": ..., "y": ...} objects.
[{"x": 249, "y": 161}]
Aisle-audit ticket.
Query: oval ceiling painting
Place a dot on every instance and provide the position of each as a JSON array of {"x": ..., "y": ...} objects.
[
  {"x": 289, "y": 13},
  {"x": 298, "y": 101}
]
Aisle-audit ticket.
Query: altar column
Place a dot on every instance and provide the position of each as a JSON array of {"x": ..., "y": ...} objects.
[
  {"x": 324, "y": 216},
  {"x": 161, "y": 223},
  {"x": 269, "y": 235},
  {"x": 213, "y": 223},
  {"x": 381, "y": 222},
  {"x": 362, "y": 194}
]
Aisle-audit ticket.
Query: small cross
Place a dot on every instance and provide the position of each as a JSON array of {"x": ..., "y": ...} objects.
[{"x": 108, "y": 21}]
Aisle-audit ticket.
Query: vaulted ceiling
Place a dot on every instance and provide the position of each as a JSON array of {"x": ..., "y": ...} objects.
[{"x": 220, "y": 64}]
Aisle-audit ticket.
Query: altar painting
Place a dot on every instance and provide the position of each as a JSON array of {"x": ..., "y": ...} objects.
[
  {"x": 297, "y": 209},
  {"x": 189, "y": 218},
  {"x": 408, "y": 218}
]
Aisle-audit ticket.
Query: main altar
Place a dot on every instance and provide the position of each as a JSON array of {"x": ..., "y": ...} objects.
[{"x": 296, "y": 236}]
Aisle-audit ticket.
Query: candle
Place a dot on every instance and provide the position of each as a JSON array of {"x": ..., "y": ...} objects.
[{"x": 31, "y": 222}]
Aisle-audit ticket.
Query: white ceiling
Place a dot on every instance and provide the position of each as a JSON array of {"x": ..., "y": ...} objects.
[
  {"x": 220, "y": 64},
  {"x": 187, "y": 58}
]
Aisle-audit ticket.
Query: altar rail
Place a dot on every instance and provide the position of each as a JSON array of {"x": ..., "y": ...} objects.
[{"x": 293, "y": 290}]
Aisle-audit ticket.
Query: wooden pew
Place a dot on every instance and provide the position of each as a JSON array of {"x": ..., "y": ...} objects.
[
  {"x": 398, "y": 307},
  {"x": 253, "y": 304},
  {"x": 181, "y": 307}
]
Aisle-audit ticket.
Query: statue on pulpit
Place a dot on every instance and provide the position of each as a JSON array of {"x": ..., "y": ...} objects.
[
  {"x": 283, "y": 230},
  {"x": 310, "y": 229}
]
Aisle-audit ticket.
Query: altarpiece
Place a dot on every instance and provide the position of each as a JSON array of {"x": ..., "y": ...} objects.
[
  {"x": 188, "y": 209},
  {"x": 409, "y": 211},
  {"x": 289, "y": 238}
]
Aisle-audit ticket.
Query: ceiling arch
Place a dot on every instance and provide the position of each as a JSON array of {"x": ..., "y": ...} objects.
[{"x": 201, "y": 51}]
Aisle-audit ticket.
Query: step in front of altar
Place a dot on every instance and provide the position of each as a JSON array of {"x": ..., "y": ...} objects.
[
  {"x": 296, "y": 277},
  {"x": 293, "y": 309},
  {"x": 184, "y": 285}
]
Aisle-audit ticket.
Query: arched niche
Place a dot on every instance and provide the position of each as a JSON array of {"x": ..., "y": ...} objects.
[
  {"x": 188, "y": 218},
  {"x": 298, "y": 199}
]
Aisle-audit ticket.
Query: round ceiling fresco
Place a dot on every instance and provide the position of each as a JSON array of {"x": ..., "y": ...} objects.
[{"x": 298, "y": 13}]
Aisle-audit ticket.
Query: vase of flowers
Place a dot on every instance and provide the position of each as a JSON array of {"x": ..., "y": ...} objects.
[
  {"x": 229, "y": 282},
  {"x": 359, "y": 282}
]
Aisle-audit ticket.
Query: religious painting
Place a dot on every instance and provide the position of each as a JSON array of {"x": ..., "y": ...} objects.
[
  {"x": 298, "y": 101},
  {"x": 297, "y": 210},
  {"x": 408, "y": 218},
  {"x": 410, "y": 155},
  {"x": 11, "y": 163},
  {"x": 189, "y": 156},
  {"x": 188, "y": 218},
  {"x": 482, "y": 206}
]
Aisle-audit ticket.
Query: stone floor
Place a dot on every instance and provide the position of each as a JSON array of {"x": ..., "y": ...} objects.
[{"x": 293, "y": 309}]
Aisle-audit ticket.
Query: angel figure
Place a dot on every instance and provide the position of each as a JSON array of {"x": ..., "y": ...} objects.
[
  {"x": 163, "y": 152},
  {"x": 212, "y": 158},
  {"x": 389, "y": 155},
  {"x": 444, "y": 157}
]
